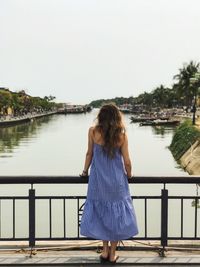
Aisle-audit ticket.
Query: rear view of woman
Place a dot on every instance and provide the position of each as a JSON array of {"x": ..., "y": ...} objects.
[{"x": 108, "y": 212}]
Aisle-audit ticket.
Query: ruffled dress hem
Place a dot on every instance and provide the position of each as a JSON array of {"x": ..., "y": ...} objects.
[{"x": 109, "y": 220}]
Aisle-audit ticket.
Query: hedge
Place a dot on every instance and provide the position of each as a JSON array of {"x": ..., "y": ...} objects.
[{"x": 185, "y": 135}]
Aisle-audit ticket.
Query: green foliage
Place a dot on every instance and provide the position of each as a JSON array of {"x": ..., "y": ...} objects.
[
  {"x": 182, "y": 92},
  {"x": 117, "y": 100},
  {"x": 183, "y": 86},
  {"x": 21, "y": 103},
  {"x": 5, "y": 101},
  {"x": 159, "y": 97},
  {"x": 185, "y": 135}
]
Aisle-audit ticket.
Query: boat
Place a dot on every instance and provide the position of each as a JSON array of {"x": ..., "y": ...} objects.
[
  {"x": 125, "y": 110},
  {"x": 146, "y": 123},
  {"x": 71, "y": 109},
  {"x": 141, "y": 119},
  {"x": 146, "y": 118},
  {"x": 160, "y": 123}
]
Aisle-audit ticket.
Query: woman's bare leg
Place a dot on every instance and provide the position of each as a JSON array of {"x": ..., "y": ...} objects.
[
  {"x": 105, "y": 251},
  {"x": 112, "y": 256}
]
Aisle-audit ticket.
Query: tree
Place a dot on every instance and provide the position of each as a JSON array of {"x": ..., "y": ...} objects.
[
  {"x": 183, "y": 85},
  {"x": 159, "y": 96},
  {"x": 17, "y": 104},
  {"x": 5, "y": 101},
  {"x": 49, "y": 98},
  {"x": 164, "y": 96}
]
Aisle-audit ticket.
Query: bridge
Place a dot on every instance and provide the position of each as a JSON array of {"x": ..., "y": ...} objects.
[{"x": 73, "y": 249}]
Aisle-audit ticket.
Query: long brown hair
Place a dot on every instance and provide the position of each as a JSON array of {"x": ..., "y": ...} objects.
[{"x": 110, "y": 125}]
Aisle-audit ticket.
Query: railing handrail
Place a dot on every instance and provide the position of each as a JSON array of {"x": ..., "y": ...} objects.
[
  {"x": 33, "y": 199},
  {"x": 26, "y": 179}
]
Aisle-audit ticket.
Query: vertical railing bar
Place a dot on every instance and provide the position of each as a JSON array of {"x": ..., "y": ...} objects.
[
  {"x": 164, "y": 186},
  {"x": 78, "y": 216},
  {"x": 50, "y": 224},
  {"x": 195, "y": 219},
  {"x": 64, "y": 218},
  {"x": 13, "y": 217},
  {"x": 164, "y": 219},
  {"x": 181, "y": 217},
  {"x": 31, "y": 218},
  {"x": 145, "y": 216}
]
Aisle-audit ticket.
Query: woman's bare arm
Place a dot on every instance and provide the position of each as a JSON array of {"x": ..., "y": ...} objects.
[
  {"x": 126, "y": 157},
  {"x": 89, "y": 154}
]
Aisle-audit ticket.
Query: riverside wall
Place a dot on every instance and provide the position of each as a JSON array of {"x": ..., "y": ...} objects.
[
  {"x": 190, "y": 160},
  {"x": 185, "y": 146},
  {"x": 9, "y": 120}
]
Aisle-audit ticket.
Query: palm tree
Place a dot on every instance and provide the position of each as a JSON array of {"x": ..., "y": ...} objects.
[
  {"x": 163, "y": 96},
  {"x": 158, "y": 95},
  {"x": 183, "y": 85},
  {"x": 49, "y": 98}
]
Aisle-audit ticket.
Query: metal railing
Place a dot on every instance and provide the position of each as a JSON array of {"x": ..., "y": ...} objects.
[{"x": 32, "y": 198}]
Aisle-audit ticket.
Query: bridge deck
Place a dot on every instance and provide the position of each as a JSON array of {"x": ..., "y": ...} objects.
[{"x": 68, "y": 255}]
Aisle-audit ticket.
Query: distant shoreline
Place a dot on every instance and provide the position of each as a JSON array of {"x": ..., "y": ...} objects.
[{"x": 9, "y": 121}]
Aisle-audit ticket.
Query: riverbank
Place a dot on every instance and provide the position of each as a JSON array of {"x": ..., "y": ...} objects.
[
  {"x": 185, "y": 147},
  {"x": 9, "y": 120}
]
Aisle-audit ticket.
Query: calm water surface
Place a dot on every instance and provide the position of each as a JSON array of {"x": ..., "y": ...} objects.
[{"x": 56, "y": 145}]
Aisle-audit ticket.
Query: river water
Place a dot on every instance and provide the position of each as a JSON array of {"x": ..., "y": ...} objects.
[{"x": 56, "y": 145}]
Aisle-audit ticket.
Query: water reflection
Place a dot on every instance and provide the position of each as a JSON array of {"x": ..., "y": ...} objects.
[
  {"x": 11, "y": 137},
  {"x": 56, "y": 145},
  {"x": 162, "y": 130}
]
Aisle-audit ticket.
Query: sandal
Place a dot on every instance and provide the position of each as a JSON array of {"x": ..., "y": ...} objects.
[
  {"x": 103, "y": 260},
  {"x": 114, "y": 262}
]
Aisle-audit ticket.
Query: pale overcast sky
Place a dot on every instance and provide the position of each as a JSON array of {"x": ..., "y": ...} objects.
[{"x": 81, "y": 50}]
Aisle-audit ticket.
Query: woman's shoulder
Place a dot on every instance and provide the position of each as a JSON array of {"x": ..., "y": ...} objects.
[
  {"x": 96, "y": 135},
  {"x": 93, "y": 131}
]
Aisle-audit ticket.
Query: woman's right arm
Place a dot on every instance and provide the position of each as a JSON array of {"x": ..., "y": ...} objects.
[
  {"x": 126, "y": 157},
  {"x": 89, "y": 154}
]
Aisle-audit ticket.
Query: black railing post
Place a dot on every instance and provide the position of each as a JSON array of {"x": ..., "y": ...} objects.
[
  {"x": 164, "y": 219},
  {"x": 31, "y": 217}
]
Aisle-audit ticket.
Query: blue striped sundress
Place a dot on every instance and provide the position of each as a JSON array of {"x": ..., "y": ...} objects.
[{"x": 108, "y": 211}]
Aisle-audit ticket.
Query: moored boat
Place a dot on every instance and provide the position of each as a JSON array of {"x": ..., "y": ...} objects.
[
  {"x": 160, "y": 123},
  {"x": 141, "y": 119}
]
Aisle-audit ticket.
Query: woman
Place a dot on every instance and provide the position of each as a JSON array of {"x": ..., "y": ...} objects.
[{"x": 108, "y": 212}]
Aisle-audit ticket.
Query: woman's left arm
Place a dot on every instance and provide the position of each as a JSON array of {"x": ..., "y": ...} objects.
[{"x": 89, "y": 154}]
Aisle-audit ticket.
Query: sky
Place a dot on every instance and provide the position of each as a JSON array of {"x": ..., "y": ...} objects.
[{"x": 83, "y": 50}]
